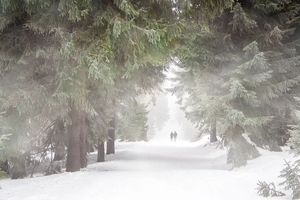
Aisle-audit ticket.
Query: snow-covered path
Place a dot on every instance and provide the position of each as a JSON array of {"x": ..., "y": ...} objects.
[{"x": 152, "y": 171}]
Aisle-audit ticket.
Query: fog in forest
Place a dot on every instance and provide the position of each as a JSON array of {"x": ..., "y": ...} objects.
[
  {"x": 165, "y": 114},
  {"x": 149, "y": 99}
]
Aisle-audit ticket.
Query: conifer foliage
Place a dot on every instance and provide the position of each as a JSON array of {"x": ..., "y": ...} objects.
[
  {"x": 68, "y": 60},
  {"x": 133, "y": 122},
  {"x": 240, "y": 72},
  {"x": 71, "y": 72},
  {"x": 267, "y": 190}
]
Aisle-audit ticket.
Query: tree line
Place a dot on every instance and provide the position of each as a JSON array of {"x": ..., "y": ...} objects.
[
  {"x": 240, "y": 76},
  {"x": 71, "y": 71}
]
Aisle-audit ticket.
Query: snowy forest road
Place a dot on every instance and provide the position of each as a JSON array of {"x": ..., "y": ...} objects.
[{"x": 152, "y": 171}]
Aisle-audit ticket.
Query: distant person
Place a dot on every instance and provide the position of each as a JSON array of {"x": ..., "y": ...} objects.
[
  {"x": 175, "y": 135},
  {"x": 172, "y": 136}
]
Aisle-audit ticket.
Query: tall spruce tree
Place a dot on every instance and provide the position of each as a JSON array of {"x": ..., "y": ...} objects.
[
  {"x": 214, "y": 85},
  {"x": 80, "y": 47}
]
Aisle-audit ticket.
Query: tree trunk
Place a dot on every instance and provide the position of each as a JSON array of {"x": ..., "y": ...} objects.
[
  {"x": 91, "y": 147},
  {"x": 83, "y": 143},
  {"x": 60, "y": 151},
  {"x": 240, "y": 150},
  {"x": 110, "y": 145},
  {"x": 77, "y": 144},
  {"x": 4, "y": 166},
  {"x": 213, "y": 131},
  {"x": 18, "y": 167},
  {"x": 101, "y": 151}
]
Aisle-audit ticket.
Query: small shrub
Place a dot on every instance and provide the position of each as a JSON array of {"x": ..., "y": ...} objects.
[{"x": 268, "y": 189}]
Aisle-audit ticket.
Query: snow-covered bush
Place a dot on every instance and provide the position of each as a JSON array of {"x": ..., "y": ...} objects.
[
  {"x": 268, "y": 189},
  {"x": 291, "y": 175}
]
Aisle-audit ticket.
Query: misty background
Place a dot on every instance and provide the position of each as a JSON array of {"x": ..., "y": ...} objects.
[{"x": 165, "y": 114}]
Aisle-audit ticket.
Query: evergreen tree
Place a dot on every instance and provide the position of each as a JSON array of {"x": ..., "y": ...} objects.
[
  {"x": 244, "y": 100},
  {"x": 80, "y": 48},
  {"x": 291, "y": 175},
  {"x": 267, "y": 190},
  {"x": 249, "y": 93},
  {"x": 132, "y": 124}
]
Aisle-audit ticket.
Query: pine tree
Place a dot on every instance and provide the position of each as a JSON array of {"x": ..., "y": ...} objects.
[
  {"x": 291, "y": 175},
  {"x": 261, "y": 100},
  {"x": 198, "y": 67},
  {"x": 268, "y": 189},
  {"x": 80, "y": 48},
  {"x": 244, "y": 100},
  {"x": 132, "y": 122}
]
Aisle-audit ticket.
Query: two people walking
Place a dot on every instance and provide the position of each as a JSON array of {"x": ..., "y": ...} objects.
[{"x": 173, "y": 136}]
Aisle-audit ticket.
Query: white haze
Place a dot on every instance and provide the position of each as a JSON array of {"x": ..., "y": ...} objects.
[{"x": 166, "y": 116}]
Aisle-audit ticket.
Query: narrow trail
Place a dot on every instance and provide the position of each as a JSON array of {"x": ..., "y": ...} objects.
[{"x": 150, "y": 171}]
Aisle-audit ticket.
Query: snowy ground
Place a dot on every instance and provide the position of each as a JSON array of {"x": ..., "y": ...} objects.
[{"x": 153, "y": 171}]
